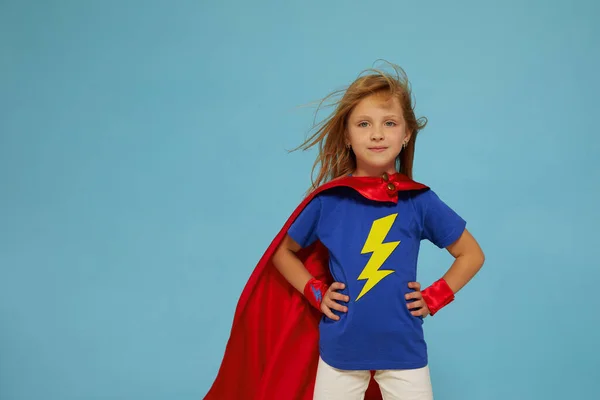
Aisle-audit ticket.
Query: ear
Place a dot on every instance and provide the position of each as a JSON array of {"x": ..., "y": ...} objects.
[
  {"x": 346, "y": 139},
  {"x": 408, "y": 135}
]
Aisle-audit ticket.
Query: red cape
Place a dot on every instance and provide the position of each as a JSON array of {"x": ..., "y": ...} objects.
[{"x": 273, "y": 351}]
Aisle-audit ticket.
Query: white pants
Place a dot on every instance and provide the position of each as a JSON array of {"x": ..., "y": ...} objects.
[{"x": 401, "y": 384}]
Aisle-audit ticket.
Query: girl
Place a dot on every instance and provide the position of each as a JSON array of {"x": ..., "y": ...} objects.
[
  {"x": 333, "y": 310},
  {"x": 372, "y": 321}
]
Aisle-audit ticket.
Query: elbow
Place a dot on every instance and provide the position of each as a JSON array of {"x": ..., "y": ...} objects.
[
  {"x": 480, "y": 258},
  {"x": 281, "y": 257},
  {"x": 474, "y": 257},
  {"x": 277, "y": 256}
]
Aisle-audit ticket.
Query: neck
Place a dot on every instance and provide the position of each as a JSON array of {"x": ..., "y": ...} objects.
[{"x": 363, "y": 170}]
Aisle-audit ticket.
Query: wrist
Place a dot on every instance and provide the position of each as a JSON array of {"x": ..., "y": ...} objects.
[
  {"x": 437, "y": 296},
  {"x": 314, "y": 291}
]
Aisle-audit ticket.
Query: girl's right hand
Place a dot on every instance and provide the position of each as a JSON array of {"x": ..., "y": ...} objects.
[{"x": 330, "y": 301}]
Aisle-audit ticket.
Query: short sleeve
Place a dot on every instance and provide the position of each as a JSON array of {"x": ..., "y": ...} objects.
[
  {"x": 442, "y": 226},
  {"x": 304, "y": 229}
]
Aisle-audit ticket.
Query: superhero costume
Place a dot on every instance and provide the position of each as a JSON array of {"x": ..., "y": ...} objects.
[
  {"x": 373, "y": 250},
  {"x": 273, "y": 351}
]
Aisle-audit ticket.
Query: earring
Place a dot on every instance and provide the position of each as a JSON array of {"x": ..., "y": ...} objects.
[
  {"x": 348, "y": 145},
  {"x": 404, "y": 144}
]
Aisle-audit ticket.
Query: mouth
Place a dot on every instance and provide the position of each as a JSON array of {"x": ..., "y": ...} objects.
[{"x": 378, "y": 149}]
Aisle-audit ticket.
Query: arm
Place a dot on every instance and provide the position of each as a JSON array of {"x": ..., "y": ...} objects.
[
  {"x": 468, "y": 260},
  {"x": 318, "y": 294},
  {"x": 289, "y": 265}
]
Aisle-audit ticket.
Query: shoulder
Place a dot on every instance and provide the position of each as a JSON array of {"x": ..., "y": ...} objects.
[
  {"x": 320, "y": 198},
  {"x": 332, "y": 190},
  {"x": 427, "y": 201},
  {"x": 420, "y": 198},
  {"x": 424, "y": 196}
]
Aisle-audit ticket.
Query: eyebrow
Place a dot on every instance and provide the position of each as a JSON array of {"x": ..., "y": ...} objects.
[{"x": 384, "y": 117}]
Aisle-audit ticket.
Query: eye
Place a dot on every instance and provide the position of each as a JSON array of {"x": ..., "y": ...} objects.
[
  {"x": 390, "y": 123},
  {"x": 363, "y": 124}
]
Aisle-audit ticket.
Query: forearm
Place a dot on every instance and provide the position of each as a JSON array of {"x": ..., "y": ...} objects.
[
  {"x": 468, "y": 260},
  {"x": 291, "y": 268},
  {"x": 463, "y": 269}
]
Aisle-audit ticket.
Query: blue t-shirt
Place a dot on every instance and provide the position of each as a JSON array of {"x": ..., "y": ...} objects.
[{"x": 373, "y": 249}]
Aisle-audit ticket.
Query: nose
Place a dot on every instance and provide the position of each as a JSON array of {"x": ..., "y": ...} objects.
[{"x": 376, "y": 135}]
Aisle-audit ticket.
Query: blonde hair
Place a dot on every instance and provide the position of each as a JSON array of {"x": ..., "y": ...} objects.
[{"x": 334, "y": 159}]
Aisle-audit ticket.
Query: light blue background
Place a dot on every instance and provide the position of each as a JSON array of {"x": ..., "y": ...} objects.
[{"x": 143, "y": 171}]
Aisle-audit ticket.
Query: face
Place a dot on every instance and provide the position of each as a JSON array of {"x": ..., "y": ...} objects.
[{"x": 376, "y": 132}]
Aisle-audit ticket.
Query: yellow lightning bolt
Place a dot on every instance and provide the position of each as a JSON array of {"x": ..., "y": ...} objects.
[{"x": 381, "y": 251}]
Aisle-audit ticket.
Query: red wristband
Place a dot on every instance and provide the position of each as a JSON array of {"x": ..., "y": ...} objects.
[
  {"x": 314, "y": 292},
  {"x": 437, "y": 296}
]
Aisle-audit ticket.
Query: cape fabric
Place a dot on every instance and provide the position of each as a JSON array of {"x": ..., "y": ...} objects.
[{"x": 273, "y": 351}]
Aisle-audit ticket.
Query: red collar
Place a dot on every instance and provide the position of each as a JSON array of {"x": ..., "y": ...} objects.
[{"x": 381, "y": 188}]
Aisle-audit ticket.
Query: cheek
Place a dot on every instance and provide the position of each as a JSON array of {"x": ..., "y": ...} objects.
[
  {"x": 397, "y": 137},
  {"x": 355, "y": 137}
]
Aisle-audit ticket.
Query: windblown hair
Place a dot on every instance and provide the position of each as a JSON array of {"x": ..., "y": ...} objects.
[{"x": 334, "y": 158}]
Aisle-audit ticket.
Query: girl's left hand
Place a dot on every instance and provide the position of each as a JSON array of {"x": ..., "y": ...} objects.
[{"x": 418, "y": 306}]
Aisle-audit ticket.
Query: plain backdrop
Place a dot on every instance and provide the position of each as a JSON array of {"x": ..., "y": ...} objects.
[{"x": 144, "y": 169}]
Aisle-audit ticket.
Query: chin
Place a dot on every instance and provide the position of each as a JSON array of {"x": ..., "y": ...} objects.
[{"x": 383, "y": 165}]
